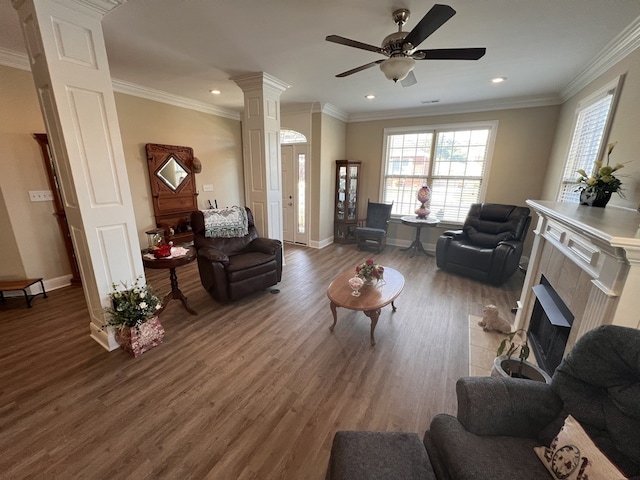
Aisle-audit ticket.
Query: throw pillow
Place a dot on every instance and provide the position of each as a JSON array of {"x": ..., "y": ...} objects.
[{"x": 573, "y": 456}]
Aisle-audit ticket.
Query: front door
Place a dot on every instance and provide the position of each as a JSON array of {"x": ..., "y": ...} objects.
[{"x": 295, "y": 203}]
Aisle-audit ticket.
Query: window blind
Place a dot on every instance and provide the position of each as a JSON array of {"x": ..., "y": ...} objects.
[{"x": 586, "y": 144}]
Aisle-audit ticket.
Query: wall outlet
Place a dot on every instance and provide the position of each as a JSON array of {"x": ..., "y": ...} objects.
[
  {"x": 41, "y": 195},
  {"x": 207, "y": 188}
]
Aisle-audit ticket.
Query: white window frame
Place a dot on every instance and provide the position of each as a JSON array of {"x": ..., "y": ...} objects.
[
  {"x": 571, "y": 165},
  {"x": 492, "y": 125}
]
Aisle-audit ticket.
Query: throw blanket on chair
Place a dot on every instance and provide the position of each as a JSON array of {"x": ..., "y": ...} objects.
[{"x": 225, "y": 222}]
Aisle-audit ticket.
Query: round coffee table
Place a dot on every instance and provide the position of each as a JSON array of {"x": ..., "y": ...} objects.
[
  {"x": 372, "y": 297},
  {"x": 171, "y": 264}
]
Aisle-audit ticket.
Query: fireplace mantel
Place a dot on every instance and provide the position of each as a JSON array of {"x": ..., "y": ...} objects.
[{"x": 593, "y": 256}]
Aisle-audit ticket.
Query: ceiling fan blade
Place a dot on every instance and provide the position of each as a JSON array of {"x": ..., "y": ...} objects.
[
  {"x": 359, "y": 69},
  {"x": 433, "y": 20},
  {"x": 353, "y": 43},
  {"x": 409, "y": 80},
  {"x": 450, "y": 54}
]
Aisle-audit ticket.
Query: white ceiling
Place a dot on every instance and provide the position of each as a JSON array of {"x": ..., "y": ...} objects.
[{"x": 187, "y": 47}]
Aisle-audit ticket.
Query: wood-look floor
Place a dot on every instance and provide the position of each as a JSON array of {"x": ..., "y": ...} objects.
[{"x": 249, "y": 390}]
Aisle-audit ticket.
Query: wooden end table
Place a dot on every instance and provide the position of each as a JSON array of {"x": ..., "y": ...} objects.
[
  {"x": 418, "y": 223},
  {"x": 372, "y": 297},
  {"x": 171, "y": 264}
]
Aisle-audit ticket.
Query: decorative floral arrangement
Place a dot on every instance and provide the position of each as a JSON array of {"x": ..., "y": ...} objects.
[
  {"x": 370, "y": 270},
  {"x": 602, "y": 182},
  {"x": 132, "y": 307}
]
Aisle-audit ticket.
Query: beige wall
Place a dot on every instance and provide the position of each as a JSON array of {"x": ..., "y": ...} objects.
[
  {"x": 10, "y": 260},
  {"x": 215, "y": 140},
  {"x": 523, "y": 142},
  {"x": 624, "y": 131},
  {"x": 31, "y": 241},
  {"x": 32, "y": 244},
  {"x": 333, "y": 142}
]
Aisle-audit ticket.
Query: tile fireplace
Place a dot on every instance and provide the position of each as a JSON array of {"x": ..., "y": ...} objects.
[{"x": 591, "y": 258}]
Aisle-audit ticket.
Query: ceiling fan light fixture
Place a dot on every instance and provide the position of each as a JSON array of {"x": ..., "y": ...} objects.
[{"x": 397, "y": 68}]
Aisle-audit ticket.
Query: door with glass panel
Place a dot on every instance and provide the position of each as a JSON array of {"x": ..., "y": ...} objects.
[{"x": 294, "y": 193}]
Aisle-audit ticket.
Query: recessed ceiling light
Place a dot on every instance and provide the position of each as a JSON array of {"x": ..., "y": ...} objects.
[
  {"x": 370, "y": 96},
  {"x": 215, "y": 91},
  {"x": 498, "y": 79}
]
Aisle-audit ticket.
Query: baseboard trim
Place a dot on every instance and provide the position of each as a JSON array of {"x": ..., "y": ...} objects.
[{"x": 104, "y": 338}]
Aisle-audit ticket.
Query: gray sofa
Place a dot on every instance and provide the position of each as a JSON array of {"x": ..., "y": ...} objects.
[{"x": 500, "y": 420}]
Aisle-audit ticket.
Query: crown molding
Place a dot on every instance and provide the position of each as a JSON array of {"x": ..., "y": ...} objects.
[
  {"x": 334, "y": 112},
  {"x": 621, "y": 46},
  {"x": 170, "y": 99},
  {"x": 13, "y": 59},
  {"x": 101, "y": 7},
  {"x": 315, "y": 107},
  {"x": 470, "y": 107},
  {"x": 20, "y": 61},
  {"x": 258, "y": 80}
]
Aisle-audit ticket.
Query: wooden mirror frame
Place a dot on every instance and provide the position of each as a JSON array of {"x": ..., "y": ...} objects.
[{"x": 172, "y": 207}]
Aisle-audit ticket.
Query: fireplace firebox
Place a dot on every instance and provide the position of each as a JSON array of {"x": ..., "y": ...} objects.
[{"x": 549, "y": 327}]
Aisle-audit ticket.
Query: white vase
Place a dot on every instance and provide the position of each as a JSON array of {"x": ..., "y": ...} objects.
[{"x": 502, "y": 365}]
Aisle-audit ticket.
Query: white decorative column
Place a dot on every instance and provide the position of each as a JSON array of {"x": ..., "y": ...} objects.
[
  {"x": 71, "y": 74},
  {"x": 261, "y": 147}
]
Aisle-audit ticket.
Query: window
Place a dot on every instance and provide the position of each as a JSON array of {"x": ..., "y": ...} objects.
[
  {"x": 451, "y": 159},
  {"x": 291, "y": 136},
  {"x": 593, "y": 120}
]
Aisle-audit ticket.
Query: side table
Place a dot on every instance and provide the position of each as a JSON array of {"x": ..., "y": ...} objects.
[
  {"x": 172, "y": 263},
  {"x": 418, "y": 223}
]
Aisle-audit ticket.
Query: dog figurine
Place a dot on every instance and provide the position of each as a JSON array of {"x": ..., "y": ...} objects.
[{"x": 491, "y": 321}]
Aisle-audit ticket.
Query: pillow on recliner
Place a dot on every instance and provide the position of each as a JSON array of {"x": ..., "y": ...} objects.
[
  {"x": 573, "y": 456},
  {"x": 486, "y": 240}
]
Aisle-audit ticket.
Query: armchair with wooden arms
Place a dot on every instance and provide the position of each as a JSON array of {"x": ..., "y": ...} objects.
[{"x": 373, "y": 235}]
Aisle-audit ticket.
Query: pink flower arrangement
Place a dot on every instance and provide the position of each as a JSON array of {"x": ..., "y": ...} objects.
[{"x": 370, "y": 270}]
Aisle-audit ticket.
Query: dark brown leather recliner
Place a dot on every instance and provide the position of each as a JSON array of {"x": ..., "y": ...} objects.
[
  {"x": 231, "y": 268},
  {"x": 489, "y": 246}
]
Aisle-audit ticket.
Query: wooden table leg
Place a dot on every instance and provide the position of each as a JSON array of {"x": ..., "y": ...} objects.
[
  {"x": 373, "y": 315},
  {"x": 333, "y": 307},
  {"x": 176, "y": 293}
]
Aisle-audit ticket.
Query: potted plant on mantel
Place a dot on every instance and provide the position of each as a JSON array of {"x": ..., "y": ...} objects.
[
  {"x": 506, "y": 365},
  {"x": 134, "y": 316},
  {"x": 596, "y": 189}
]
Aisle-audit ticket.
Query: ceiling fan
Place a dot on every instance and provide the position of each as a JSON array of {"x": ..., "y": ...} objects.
[{"x": 400, "y": 47}]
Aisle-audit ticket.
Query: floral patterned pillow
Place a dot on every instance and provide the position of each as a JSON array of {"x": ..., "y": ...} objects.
[{"x": 573, "y": 456}]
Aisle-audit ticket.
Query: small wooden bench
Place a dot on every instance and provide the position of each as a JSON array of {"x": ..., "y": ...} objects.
[{"x": 21, "y": 284}]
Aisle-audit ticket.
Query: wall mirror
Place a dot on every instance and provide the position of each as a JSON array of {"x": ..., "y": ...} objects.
[
  {"x": 172, "y": 173},
  {"x": 173, "y": 189}
]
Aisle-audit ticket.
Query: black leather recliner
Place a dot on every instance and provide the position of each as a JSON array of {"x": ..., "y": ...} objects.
[
  {"x": 231, "y": 268},
  {"x": 489, "y": 246}
]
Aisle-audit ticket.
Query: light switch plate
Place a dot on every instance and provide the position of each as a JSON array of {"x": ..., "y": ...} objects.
[
  {"x": 207, "y": 188},
  {"x": 41, "y": 195}
]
